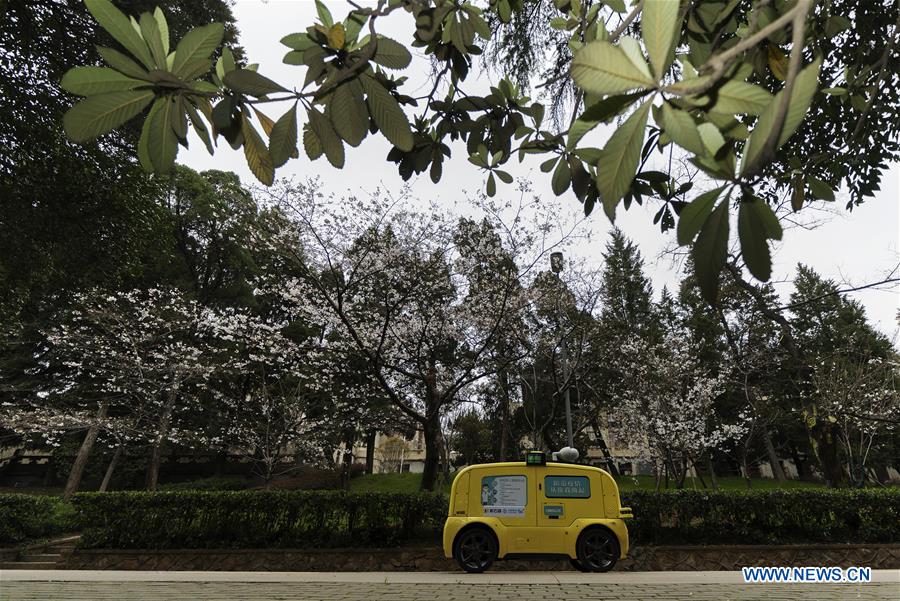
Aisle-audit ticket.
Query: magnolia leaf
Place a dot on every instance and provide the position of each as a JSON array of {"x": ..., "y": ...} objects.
[
  {"x": 353, "y": 24},
  {"x": 122, "y": 63},
  {"x": 712, "y": 137},
  {"x": 491, "y": 187},
  {"x": 601, "y": 68},
  {"x": 88, "y": 81},
  {"x": 562, "y": 177},
  {"x": 103, "y": 113},
  {"x": 336, "y": 36},
  {"x": 804, "y": 89},
  {"x": 778, "y": 62},
  {"x": 251, "y": 82},
  {"x": 163, "y": 27},
  {"x": 162, "y": 144},
  {"x": 659, "y": 26},
  {"x": 197, "y": 68},
  {"x": 694, "y": 215},
  {"x": 119, "y": 27},
  {"x": 739, "y": 97},
  {"x": 264, "y": 121},
  {"x": 311, "y": 143},
  {"x": 283, "y": 137},
  {"x": 632, "y": 49},
  {"x": 143, "y": 149},
  {"x": 258, "y": 158},
  {"x": 198, "y": 43},
  {"x": 387, "y": 114},
  {"x": 298, "y": 41},
  {"x": 199, "y": 127},
  {"x": 820, "y": 189},
  {"x": 756, "y": 224},
  {"x": 798, "y": 192},
  {"x": 391, "y": 54},
  {"x": 619, "y": 159},
  {"x": 153, "y": 37},
  {"x": 178, "y": 119},
  {"x": 347, "y": 111},
  {"x": 710, "y": 251},
  {"x": 680, "y": 126},
  {"x": 324, "y": 14},
  {"x": 599, "y": 112},
  {"x": 331, "y": 143}
]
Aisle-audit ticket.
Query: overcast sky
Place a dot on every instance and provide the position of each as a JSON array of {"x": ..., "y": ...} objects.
[{"x": 853, "y": 248}]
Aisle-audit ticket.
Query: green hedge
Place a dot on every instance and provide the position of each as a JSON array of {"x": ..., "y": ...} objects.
[
  {"x": 765, "y": 516},
  {"x": 256, "y": 519},
  {"x": 24, "y": 517}
]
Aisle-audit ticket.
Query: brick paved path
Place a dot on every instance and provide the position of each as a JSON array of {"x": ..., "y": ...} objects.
[{"x": 144, "y": 586}]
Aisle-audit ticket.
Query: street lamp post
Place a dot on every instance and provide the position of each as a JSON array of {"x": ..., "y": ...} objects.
[{"x": 556, "y": 265}]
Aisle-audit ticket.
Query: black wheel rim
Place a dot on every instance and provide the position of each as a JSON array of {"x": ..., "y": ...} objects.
[
  {"x": 599, "y": 550},
  {"x": 476, "y": 550}
]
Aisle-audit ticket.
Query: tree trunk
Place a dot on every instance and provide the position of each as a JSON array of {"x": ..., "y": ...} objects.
[
  {"x": 84, "y": 454},
  {"x": 798, "y": 462},
  {"x": 712, "y": 472},
  {"x": 347, "y": 462},
  {"x": 698, "y": 472},
  {"x": 370, "y": 451},
  {"x": 745, "y": 466},
  {"x": 504, "y": 415},
  {"x": 774, "y": 461},
  {"x": 431, "y": 430},
  {"x": 607, "y": 455},
  {"x": 114, "y": 462},
  {"x": 825, "y": 446},
  {"x": 164, "y": 421}
]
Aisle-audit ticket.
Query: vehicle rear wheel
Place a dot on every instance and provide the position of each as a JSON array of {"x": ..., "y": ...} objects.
[
  {"x": 476, "y": 550},
  {"x": 597, "y": 550}
]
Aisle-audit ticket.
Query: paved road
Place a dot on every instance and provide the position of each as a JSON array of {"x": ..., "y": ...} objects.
[{"x": 22, "y": 585}]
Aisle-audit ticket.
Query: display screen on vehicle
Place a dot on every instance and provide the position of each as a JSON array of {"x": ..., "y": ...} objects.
[
  {"x": 567, "y": 487},
  {"x": 504, "y": 496}
]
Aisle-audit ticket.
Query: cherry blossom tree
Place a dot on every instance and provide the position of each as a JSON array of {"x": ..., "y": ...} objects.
[
  {"x": 665, "y": 404},
  {"x": 265, "y": 390},
  {"x": 124, "y": 363},
  {"x": 408, "y": 290},
  {"x": 863, "y": 397}
]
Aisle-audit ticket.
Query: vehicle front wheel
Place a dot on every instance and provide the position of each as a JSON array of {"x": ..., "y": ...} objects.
[
  {"x": 597, "y": 550},
  {"x": 476, "y": 550},
  {"x": 577, "y": 565}
]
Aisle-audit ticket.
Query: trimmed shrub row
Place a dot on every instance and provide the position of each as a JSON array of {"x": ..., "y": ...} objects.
[
  {"x": 24, "y": 517},
  {"x": 689, "y": 517},
  {"x": 256, "y": 519}
]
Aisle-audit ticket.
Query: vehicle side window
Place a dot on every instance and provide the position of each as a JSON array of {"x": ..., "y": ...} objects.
[{"x": 567, "y": 487}]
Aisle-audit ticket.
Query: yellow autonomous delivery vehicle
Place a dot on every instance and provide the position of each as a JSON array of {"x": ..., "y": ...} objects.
[{"x": 535, "y": 509}]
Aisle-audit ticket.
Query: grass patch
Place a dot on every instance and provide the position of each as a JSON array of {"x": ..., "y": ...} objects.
[
  {"x": 725, "y": 483},
  {"x": 409, "y": 482}
]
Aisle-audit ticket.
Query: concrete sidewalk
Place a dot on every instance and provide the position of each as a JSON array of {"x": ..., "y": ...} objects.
[
  {"x": 49, "y": 585},
  {"x": 717, "y": 577}
]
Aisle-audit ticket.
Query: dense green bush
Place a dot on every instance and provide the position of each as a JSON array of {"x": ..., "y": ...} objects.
[
  {"x": 764, "y": 516},
  {"x": 256, "y": 519},
  {"x": 24, "y": 517}
]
